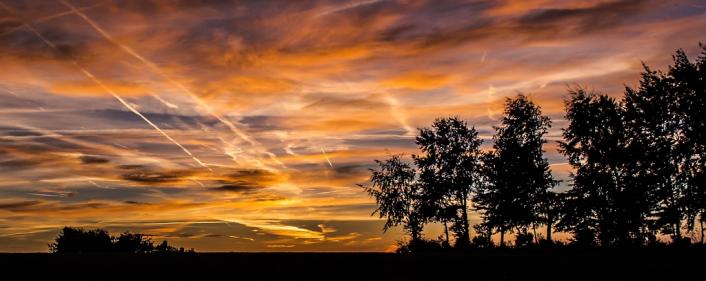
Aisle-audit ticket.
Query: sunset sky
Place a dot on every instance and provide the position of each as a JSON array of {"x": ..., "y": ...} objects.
[{"x": 247, "y": 125}]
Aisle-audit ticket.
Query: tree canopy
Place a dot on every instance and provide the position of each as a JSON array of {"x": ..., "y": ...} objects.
[
  {"x": 449, "y": 171},
  {"x": 77, "y": 241},
  {"x": 637, "y": 168}
]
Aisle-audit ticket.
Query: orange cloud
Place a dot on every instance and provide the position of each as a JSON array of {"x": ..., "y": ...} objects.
[
  {"x": 416, "y": 81},
  {"x": 91, "y": 89}
]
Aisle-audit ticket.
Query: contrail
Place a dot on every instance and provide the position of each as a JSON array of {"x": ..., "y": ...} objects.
[
  {"x": 198, "y": 182},
  {"x": 488, "y": 99},
  {"x": 347, "y": 6},
  {"x": 107, "y": 89},
  {"x": 394, "y": 106},
  {"x": 131, "y": 108},
  {"x": 326, "y": 156},
  {"x": 166, "y": 103},
  {"x": 43, "y": 19},
  {"x": 398, "y": 113},
  {"x": 157, "y": 70},
  {"x": 11, "y": 92}
]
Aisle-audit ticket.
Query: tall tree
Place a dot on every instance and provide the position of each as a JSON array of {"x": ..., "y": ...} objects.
[
  {"x": 449, "y": 171},
  {"x": 518, "y": 175},
  {"x": 649, "y": 124},
  {"x": 696, "y": 109},
  {"x": 665, "y": 123},
  {"x": 397, "y": 195},
  {"x": 688, "y": 82},
  {"x": 603, "y": 203}
]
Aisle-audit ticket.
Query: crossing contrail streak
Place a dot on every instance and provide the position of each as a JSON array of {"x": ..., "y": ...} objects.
[
  {"x": 164, "y": 102},
  {"x": 50, "y": 17},
  {"x": 347, "y": 6},
  {"x": 131, "y": 108},
  {"x": 107, "y": 89},
  {"x": 179, "y": 85},
  {"x": 326, "y": 156}
]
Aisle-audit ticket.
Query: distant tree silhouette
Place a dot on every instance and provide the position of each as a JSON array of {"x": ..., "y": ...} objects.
[
  {"x": 164, "y": 247},
  {"x": 603, "y": 202},
  {"x": 77, "y": 240},
  {"x": 133, "y": 243},
  {"x": 518, "y": 176},
  {"x": 397, "y": 194},
  {"x": 449, "y": 170}
]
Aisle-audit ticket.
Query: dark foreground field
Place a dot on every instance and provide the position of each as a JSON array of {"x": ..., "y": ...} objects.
[{"x": 365, "y": 266}]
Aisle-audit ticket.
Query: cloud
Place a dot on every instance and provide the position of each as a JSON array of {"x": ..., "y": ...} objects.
[
  {"x": 156, "y": 177},
  {"x": 90, "y": 88},
  {"x": 584, "y": 19},
  {"x": 416, "y": 81},
  {"x": 88, "y": 159},
  {"x": 353, "y": 77},
  {"x": 238, "y": 187},
  {"x": 12, "y": 206}
]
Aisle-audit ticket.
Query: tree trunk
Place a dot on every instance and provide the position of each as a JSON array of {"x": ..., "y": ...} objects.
[
  {"x": 702, "y": 230},
  {"x": 446, "y": 232},
  {"x": 502, "y": 238},
  {"x": 415, "y": 231},
  {"x": 466, "y": 237},
  {"x": 549, "y": 231}
]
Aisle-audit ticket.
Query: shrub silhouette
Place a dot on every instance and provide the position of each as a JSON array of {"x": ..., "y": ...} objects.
[
  {"x": 524, "y": 240},
  {"x": 77, "y": 241},
  {"x": 133, "y": 243}
]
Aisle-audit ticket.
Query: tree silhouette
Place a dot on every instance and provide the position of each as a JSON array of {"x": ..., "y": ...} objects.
[
  {"x": 649, "y": 123},
  {"x": 638, "y": 169},
  {"x": 449, "y": 171},
  {"x": 664, "y": 118},
  {"x": 134, "y": 243},
  {"x": 397, "y": 195},
  {"x": 76, "y": 240},
  {"x": 688, "y": 82},
  {"x": 603, "y": 203},
  {"x": 550, "y": 209},
  {"x": 517, "y": 174}
]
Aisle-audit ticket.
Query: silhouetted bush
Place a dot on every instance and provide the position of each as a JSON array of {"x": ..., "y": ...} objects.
[
  {"x": 77, "y": 240},
  {"x": 482, "y": 241},
  {"x": 683, "y": 242},
  {"x": 133, "y": 243},
  {"x": 524, "y": 240},
  {"x": 420, "y": 246}
]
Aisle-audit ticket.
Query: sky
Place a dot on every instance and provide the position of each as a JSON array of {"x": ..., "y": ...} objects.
[{"x": 248, "y": 125}]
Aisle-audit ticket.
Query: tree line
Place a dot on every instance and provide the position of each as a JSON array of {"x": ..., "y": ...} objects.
[
  {"x": 638, "y": 170},
  {"x": 78, "y": 241}
]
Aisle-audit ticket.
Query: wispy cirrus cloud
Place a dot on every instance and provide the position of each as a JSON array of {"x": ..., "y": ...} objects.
[{"x": 287, "y": 102}]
